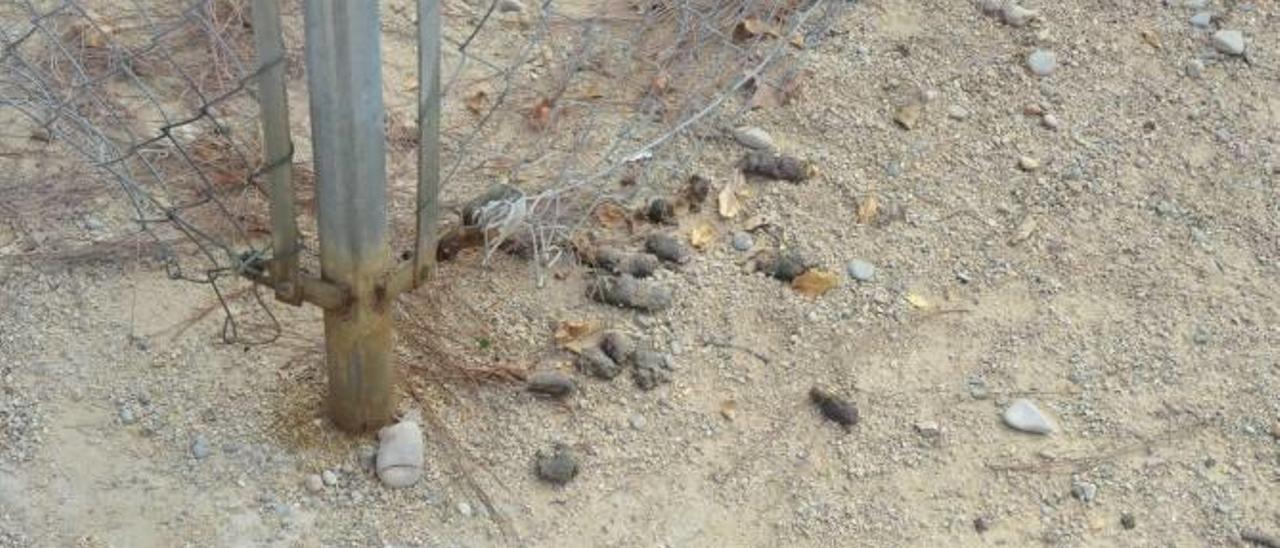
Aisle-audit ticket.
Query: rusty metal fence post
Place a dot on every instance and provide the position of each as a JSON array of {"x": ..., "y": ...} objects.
[{"x": 345, "y": 81}]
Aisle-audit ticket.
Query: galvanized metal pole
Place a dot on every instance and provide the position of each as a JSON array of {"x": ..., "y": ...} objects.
[
  {"x": 277, "y": 149},
  {"x": 428, "y": 210},
  {"x": 344, "y": 75}
]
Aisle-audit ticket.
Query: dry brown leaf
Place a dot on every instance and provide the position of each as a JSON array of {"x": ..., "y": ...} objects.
[
  {"x": 730, "y": 205},
  {"x": 918, "y": 301},
  {"x": 476, "y": 102},
  {"x": 611, "y": 215},
  {"x": 868, "y": 210},
  {"x": 540, "y": 114},
  {"x": 767, "y": 95},
  {"x": 1151, "y": 38},
  {"x": 571, "y": 335},
  {"x": 729, "y": 409},
  {"x": 660, "y": 83},
  {"x": 815, "y": 282},
  {"x": 752, "y": 27},
  {"x": 702, "y": 235}
]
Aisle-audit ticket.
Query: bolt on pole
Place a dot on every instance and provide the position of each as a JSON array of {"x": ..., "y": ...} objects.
[{"x": 345, "y": 80}]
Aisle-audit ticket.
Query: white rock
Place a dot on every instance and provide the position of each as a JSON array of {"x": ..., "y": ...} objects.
[
  {"x": 1023, "y": 415},
  {"x": 399, "y": 460},
  {"x": 957, "y": 112},
  {"x": 1050, "y": 121},
  {"x": 1042, "y": 62},
  {"x": 1230, "y": 42},
  {"x": 314, "y": 483},
  {"x": 1202, "y": 20},
  {"x": 754, "y": 137},
  {"x": 329, "y": 478},
  {"x": 1027, "y": 163}
]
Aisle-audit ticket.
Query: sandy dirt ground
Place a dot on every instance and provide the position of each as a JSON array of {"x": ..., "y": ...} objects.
[{"x": 1103, "y": 241}]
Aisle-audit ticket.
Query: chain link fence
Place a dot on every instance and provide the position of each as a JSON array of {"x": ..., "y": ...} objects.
[{"x": 561, "y": 100}]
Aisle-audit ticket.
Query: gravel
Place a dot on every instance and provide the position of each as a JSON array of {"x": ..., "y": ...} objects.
[
  {"x": 1230, "y": 42},
  {"x": 650, "y": 369},
  {"x": 861, "y": 270},
  {"x": 550, "y": 383},
  {"x": 595, "y": 362},
  {"x": 329, "y": 477},
  {"x": 314, "y": 483},
  {"x": 1084, "y": 491},
  {"x": 1024, "y": 416},
  {"x": 754, "y": 138},
  {"x": 200, "y": 447},
  {"x": 742, "y": 241},
  {"x": 558, "y": 466},
  {"x": 127, "y": 416},
  {"x": 1042, "y": 62},
  {"x": 1202, "y": 20}
]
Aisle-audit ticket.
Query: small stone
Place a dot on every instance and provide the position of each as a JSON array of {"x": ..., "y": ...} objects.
[
  {"x": 957, "y": 112},
  {"x": 1202, "y": 20},
  {"x": 928, "y": 429},
  {"x": 127, "y": 416},
  {"x": 617, "y": 346},
  {"x": 400, "y": 454},
  {"x": 558, "y": 466},
  {"x": 329, "y": 477},
  {"x": 637, "y": 421},
  {"x": 357, "y": 497},
  {"x": 978, "y": 388},
  {"x": 908, "y": 115},
  {"x": 200, "y": 447},
  {"x": 1201, "y": 336},
  {"x": 982, "y": 524},
  {"x": 1084, "y": 491},
  {"x": 93, "y": 223},
  {"x": 510, "y": 6},
  {"x": 314, "y": 483},
  {"x": 893, "y": 169},
  {"x": 597, "y": 363},
  {"x": 1027, "y": 163},
  {"x": 1024, "y": 416},
  {"x": 1017, "y": 16},
  {"x": 1195, "y": 68},
  {"x": 834, "y": 407},
  {"x": 754, "y": 138},
  {"x": 1230, "y": 42},
  {"x": 1128, "y": 521},
  {"x": 649, "y": 369},
  {"x": 785, "y": 267},
  {"x": 1042, "y": 62},
  {"x": 1033, "y": 109},
  {"x": 667, "y": 248},
  {"x": 742, "y": 241},
  {"x": 861, "y": 270},
  {"x": 1051, "y": 122},
  {"x": 464, "y": 509},
  {"x": 660, "y": 211},
  {"x": 550, "y": 383}
]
